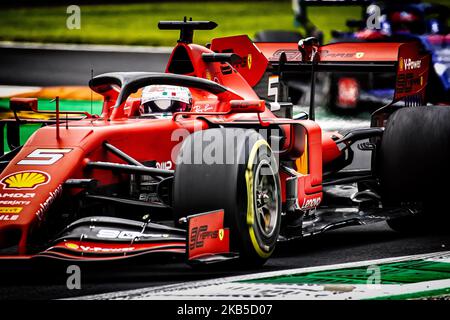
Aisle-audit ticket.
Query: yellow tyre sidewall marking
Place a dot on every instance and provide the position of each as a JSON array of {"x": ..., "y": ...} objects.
[{"x": 250, "y": 202}]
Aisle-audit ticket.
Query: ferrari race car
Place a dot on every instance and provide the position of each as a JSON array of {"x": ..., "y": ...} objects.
[{"x": 224, "y": 174}]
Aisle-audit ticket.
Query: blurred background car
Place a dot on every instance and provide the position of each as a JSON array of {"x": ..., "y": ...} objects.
[{"x": 396, "y": 21}]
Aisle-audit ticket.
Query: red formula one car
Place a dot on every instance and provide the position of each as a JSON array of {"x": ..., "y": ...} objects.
[{"x": 198, "y": 164}]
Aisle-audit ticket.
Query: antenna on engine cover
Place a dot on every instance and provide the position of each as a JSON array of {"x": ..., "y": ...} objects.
[
  {"x": 56, "y": 100},
  {"x": 309, "y": 49},
  {"x": 186, "y": 28}
]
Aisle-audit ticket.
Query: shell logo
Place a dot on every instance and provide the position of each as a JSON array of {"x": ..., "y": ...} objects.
[
  {"x": 71, "y": 245},
  {"x": 401, "y": 63},
  {"x": 25, "y": 180}
]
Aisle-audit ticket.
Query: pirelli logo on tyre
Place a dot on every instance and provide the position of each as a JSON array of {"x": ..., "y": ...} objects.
[{"x": 25, "y": 180}]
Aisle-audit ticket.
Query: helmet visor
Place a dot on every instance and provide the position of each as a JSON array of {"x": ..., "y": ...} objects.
[{"x": 165, "y": 106}]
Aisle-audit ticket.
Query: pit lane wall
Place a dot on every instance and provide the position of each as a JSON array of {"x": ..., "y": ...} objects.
[{"x": 410, "y": 277}]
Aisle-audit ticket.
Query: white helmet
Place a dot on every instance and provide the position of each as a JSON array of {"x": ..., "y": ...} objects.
[{"x": 164, "y": 98}]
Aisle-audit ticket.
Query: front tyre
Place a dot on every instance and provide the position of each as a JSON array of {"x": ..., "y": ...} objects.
[{"x": 243, "y": 180}]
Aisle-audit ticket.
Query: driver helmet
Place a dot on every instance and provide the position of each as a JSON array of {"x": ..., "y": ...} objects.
[
  {"x": 165, "y": 99},
  {"x": 404, "y": 21}
]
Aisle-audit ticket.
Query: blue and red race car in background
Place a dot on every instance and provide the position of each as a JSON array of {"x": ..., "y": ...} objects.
[
  {"x": 381, "y": 21},
  {"x": 425, "y": 23}
]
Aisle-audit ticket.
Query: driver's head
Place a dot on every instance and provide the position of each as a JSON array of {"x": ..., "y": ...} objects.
[
  {"x": 164, "y": 98},
  {"x": 405, "y": 21}
]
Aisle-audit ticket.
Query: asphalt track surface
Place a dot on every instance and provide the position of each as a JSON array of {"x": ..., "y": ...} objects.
[
  {"x": 48, "y": 280},
  {"x": 44, "y": 67}
]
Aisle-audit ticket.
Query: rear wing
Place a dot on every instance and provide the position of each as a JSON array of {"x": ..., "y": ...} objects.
[
  {"x": 289, "y": 61},
  {"x": 403, "y": 59}
]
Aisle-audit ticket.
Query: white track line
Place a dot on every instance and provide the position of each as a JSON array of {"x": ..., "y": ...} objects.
[
  {"x": 84, "y": 47},
  {"x": 139, "y": 293},
  {"x": 9, "y": 91}
]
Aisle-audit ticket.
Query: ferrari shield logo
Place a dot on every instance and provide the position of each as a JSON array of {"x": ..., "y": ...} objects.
[
  {"x": 359, "y": 55},
  {"x": 249, "y": 61},
  {"x": 208, "y": 75},
  {"x": 221, "y": 234}
]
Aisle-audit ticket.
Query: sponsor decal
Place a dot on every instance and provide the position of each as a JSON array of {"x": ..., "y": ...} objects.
[
  {"x": 43, "y": 207},
  {"x": 74, "y": 246},
  {"x": 311, "y": 203},
  {"x": 291, "y": 55},
  {"x": 14, "y": 202},
  {"x": 7, "y": 217},
  {"x": 13, "y": 196},
  {"x": 202, "y": 108},
  {"x": 207, "y": 235},
  {"x": 409, "y": 64},
  {"x": 406, "y": 82},
  {"x": 25, "y": 180},
  {"x": 117, "y": 234},
  {"x": 208, "y": 75},
  {"x": 198, "y": 236},
  {"x": 17, "y": 195},
  {"x": 167, "y": 165},
  {"x": 10, "y": 209},
  {"x": 328, "y": 54},
  {"x": 71, "y": 245}
]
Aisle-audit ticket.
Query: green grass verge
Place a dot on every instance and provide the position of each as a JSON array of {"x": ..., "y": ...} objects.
[
  {"x": 65, "y": 105},
  {"x": 44, "y": 104},
  {"x": 137, "y": 23}
]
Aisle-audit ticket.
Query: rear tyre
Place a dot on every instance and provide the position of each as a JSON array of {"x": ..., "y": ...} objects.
[
  {"x": 414, "y": 165},
  {"x": 246, "y": 185}
]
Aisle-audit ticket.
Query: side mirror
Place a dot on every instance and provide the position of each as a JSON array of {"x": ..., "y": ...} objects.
[
  {"x": 302, "y": 115},
  {"x": 247, "y": 106},
  {"x": 23, "y": 104}
]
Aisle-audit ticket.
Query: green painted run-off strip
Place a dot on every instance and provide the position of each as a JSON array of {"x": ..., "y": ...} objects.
[{"x": 390, "y": 273}]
